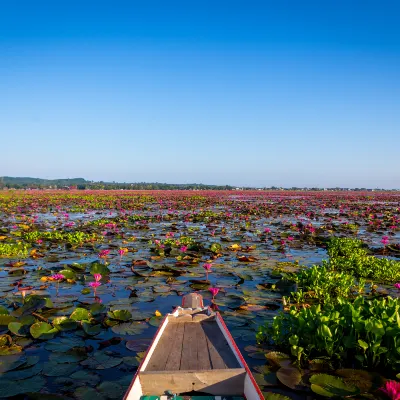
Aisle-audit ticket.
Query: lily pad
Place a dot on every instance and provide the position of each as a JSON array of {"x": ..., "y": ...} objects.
[
  {"x": 120, "y": 315},
  {"x": 9, "y": 388},
  {"x": 101, "y": 360},
  {"x": 289, "y": 376},
  {"x": 331, "y": 386},
  {"x": 65, "y": 324},
  {"x": 80, "y": 314},
  {"x": 43, "y": 331},
  {"x": 91, "y": 330},
  {"x": 129, "y": 328}
]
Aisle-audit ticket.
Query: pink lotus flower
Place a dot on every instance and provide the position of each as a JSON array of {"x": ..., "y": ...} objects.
[
  {"x": 58, "y": 278},
  {"x": 183, "y": 249},
  {"x": 97, "y": 277},
  {"x": 39, "y": 241},
  {"x": 391, "y": 389},
  {"x": 214, "y": 291},
  {"x": 290, "y": 238},
  {"x": 207, "y": 267},
  {"x": 385, "y": 240},
  {"x": 267, "y": 230},
  {"x": 104, "y": 253},
  {"x": 397, "y": 285},
  {"x": 94, "y": 284}
]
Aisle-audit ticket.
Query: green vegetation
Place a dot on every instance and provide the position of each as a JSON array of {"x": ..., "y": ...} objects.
[
  {"x": 351, "y": 256},
  {"x": 360, "y": 333}
]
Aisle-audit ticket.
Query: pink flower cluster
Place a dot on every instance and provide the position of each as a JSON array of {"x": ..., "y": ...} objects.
[{"x": 58, "y": 277}]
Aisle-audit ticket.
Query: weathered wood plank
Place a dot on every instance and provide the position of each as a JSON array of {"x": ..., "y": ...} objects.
[
  {"x": 174, "y": 358},
  {"x": 203, "y": 355},
  {"x": 229, "y": 382},
  {"x": 220, "y": 352},
  {"x": 159, "y": 358},
  {"x": 189, "y": 347}
]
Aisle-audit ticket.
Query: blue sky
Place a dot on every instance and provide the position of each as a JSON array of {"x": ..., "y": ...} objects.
[{"x": 284, "y": 93}]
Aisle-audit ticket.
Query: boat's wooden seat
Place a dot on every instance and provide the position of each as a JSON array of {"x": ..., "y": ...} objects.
[
  {"x": 229, "y": 382},
  {"x": 192, "y": 345}
]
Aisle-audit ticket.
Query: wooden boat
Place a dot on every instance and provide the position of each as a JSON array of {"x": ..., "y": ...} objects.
[{"x": 193, "y": 355}]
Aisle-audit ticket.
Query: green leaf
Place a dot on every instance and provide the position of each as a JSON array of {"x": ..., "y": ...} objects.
[
  {"x": 111, "y": 390},
  {"x": 129, "y": 328},
  {"x": 8, "y": 363},
  {"x": 68, "y": 274},
  {"x": 289, "y": 376},
  {"x": 88, "y": 393},
  {"x": 101, "y": 360},
  {"x": 91, "y": 330},
  {"x": 278, "y": 359},
  {"x": 9, "y": 388},
  {"x": 18, "y": 329},
  {"x": 86, "y": 290},
  {"x": 3, "y": 311},
  {"x": 331, "y": 386},
  {"x": 80, "y": 314},
  {"x": 56, "y": 369},
  {"x": 120, "y": 315},
  {"x": 8, "y": 350},
  {"x": 65, "y": 324},
  {"x": 32, "y": 304},
  {"x": 43, "y": 331},
  {"x": 97, "y": 309},
  {"x": 363, "y": 344},
  {"x": 6, "y": 319},
  {"x": 97, "y": 268},
  {"x": 275, "y": 396}
]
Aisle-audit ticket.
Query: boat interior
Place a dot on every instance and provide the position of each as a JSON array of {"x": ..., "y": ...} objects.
[{"x": 192, "y": 354}]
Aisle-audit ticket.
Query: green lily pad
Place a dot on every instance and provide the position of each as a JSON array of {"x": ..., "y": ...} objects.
[
  {"x": 120, "y": 315},
  {"x": 20, "y": 374},
  {"x": 129, "y": 328},
  {"x": 86, "y": 377},
  {"x": 97, "y": 268},
  {"x": 10, "y": 389},
  {"x": 111, "y": 390},
  {"x": 289, "y": 376},
  {"x": 331, "y": 386},
  {"x": 97, "y": 309},
  {"x": 6, "y": 319},
  {"x": 80, "y": 314},
  {"x": 8, "y": 350},
  {"x": 88, "y": 393},
  {"x": 101, "y": 360},
  {"x": 68, "y": 274},
  {"x": 8, "y": 363},
  {"x": 43, "y": 331},
  {"x": 65, "y": 324},
  {"x": 275, "y": 396},
  {"x": 3, "y": 311},
  {"x": 64, "y": 344},
  {"x": 56, "y": 369},
  {"x": 91, "y": 330}
]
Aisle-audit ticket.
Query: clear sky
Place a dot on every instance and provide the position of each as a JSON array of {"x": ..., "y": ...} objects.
[{"x": 284, "y": 93}]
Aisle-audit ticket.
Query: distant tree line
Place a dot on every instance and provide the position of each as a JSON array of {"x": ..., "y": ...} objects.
[{"x": 83, "y": 184}]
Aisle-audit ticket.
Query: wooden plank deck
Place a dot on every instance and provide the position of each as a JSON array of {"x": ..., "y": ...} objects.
[{"x": 192, "y": 346}]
